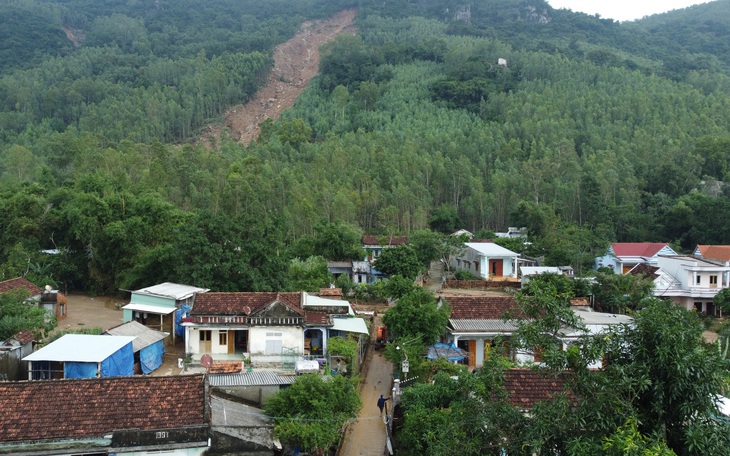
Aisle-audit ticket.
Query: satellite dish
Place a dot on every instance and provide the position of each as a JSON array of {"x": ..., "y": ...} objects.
[
  {"x": 206, "y": 361},
  {"x": 247, "y": 310}
]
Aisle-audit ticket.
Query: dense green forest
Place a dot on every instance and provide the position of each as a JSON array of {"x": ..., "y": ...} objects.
[{"x": 590, "y": 131}]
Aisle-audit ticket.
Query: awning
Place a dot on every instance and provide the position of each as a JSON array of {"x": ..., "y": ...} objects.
[
  {"x": 150, "y": 309},
  {"x": 353, "y": 325}
]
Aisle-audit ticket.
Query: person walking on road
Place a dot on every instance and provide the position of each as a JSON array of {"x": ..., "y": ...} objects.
[{"x": 381, "y": 403}]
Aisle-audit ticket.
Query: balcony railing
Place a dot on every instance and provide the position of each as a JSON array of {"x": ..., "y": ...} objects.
[{"x": 244, "y": 320}]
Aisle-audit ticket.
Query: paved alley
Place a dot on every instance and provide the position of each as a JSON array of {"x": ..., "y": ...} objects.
[{"x": 366, "y": 437}]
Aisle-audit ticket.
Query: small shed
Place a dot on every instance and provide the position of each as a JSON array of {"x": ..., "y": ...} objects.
[
  {"x": 82, "y": 356},
  {"x": 11, "y": 352},
  {"x": 148, "y": 345}
]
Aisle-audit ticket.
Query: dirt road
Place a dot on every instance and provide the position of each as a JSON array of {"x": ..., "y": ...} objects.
[
  {"x": 296, "y": 62},
  {"x": 85, "y": 312}
]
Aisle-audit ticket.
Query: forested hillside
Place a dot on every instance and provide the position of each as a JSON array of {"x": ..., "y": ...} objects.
[{"x": 590, "y": 131}]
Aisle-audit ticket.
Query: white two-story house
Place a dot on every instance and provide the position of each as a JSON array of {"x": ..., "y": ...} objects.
[{"x": 690, "y": 282}]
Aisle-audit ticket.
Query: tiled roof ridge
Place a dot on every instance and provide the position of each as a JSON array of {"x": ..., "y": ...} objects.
[{"x": 234, "y": 302}]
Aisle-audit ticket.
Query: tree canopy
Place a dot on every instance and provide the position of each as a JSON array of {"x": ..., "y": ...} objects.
[{"x": 312, "y": 411}]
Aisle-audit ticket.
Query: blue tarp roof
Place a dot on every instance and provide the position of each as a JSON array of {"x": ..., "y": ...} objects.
[{"x": 449, "y": 352}]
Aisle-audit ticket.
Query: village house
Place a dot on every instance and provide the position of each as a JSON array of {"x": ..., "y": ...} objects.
[
  {"x": 148, "y": 345},
  {"x": 270, "y": 328},
  {"x": 621, "y": 257},
  {"x": 54, "y": 302},
  {"x": 526, "y": 387},
  {"x": 161, "y": 307},
  {"x": 687, "y": 281},
  {"x": 487, "y": 260},
  {"x": 374, "y": 247},
  {"x": 480, "y": 324},
  {"x": 82, "y": 356},
  {"x": 12, "y": 351}
]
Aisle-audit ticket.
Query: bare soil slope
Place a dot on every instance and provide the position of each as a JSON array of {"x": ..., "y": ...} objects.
[{"x": 296, "y": 62}]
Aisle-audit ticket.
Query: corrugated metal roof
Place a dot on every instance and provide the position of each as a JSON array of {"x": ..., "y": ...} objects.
[
  {"x": 144, "y": 336},
  {"x": 353, "y": 325},
  {"x": 82, "y": 348},
  {"x": 149, "y": 308},
  {"x": 171, "y": 290},
  {"x": 255, "y": 378},
  {"x": 482, "y": 325}
]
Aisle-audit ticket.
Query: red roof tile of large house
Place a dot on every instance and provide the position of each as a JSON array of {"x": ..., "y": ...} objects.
[
  {"x": 637, "y": 249},
  {"x": 715, "y": 252},
  {"x": 526, "y": 387},
  {"x": 61, "y": 409},
  {"x": 481, "y": 307},
  {"x": 243, "y": 303},
  {"x": 20, "y": 283},
  {"x": 371, "y": 239}
]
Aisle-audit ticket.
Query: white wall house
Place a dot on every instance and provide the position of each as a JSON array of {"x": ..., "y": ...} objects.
[
  {"x": 690, "y": 282},
  {"x": 266, "y": 327},
  {"x": 480, "y": 324},
  {"x": 486, "y": 260}
]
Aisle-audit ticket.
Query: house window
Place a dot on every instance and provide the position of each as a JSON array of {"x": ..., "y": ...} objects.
[
  {"x": 713, "y": 281},
  {"x": 205, "y": 335},
  {"x": 273, "y": 347},
  {"x": 273, "y": 343},
  {"x": 698, "y": 307},
  {"x": 698, "y": 280},
  {"x": 222, "y": 338}
]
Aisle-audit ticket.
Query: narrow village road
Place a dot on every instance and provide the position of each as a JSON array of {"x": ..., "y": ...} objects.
[{"x": 366, "y": 437}]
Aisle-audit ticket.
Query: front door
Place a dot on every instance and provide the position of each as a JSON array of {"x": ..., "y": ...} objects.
[
  {"x": 495, "y": 267},
  {"x": 205, "y": 336}
]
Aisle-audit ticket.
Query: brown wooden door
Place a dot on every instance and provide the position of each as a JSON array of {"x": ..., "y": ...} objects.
[
  {"x": 472, "y": 353},
  {"x": 495, "y": 268}
]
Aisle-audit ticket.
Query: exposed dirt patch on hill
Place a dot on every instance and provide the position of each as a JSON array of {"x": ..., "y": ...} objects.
[{"x": 296, "y": 62}]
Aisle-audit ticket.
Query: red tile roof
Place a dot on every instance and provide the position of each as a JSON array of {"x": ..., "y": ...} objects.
[
  {"x": 60, "y": 409},
  {"x": 20, "y": 283},
  {"x": 481, "y": 307},
  {"x": 333, "y": 292},
  {"x": 715, "y": 252},
  {"x": 316, "y": 318},
  {"x": 226, "y": 367},
  {"x": 579, "y": 302},
  {"x": 371, "y": 239},
  {"x": 645, "y": 270},
  {"x": 243, "y": 303},
  {"x": 639, "y": 249},
  {"x": 24, "y": 337},
  {"x": 526, "y": 387}
]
